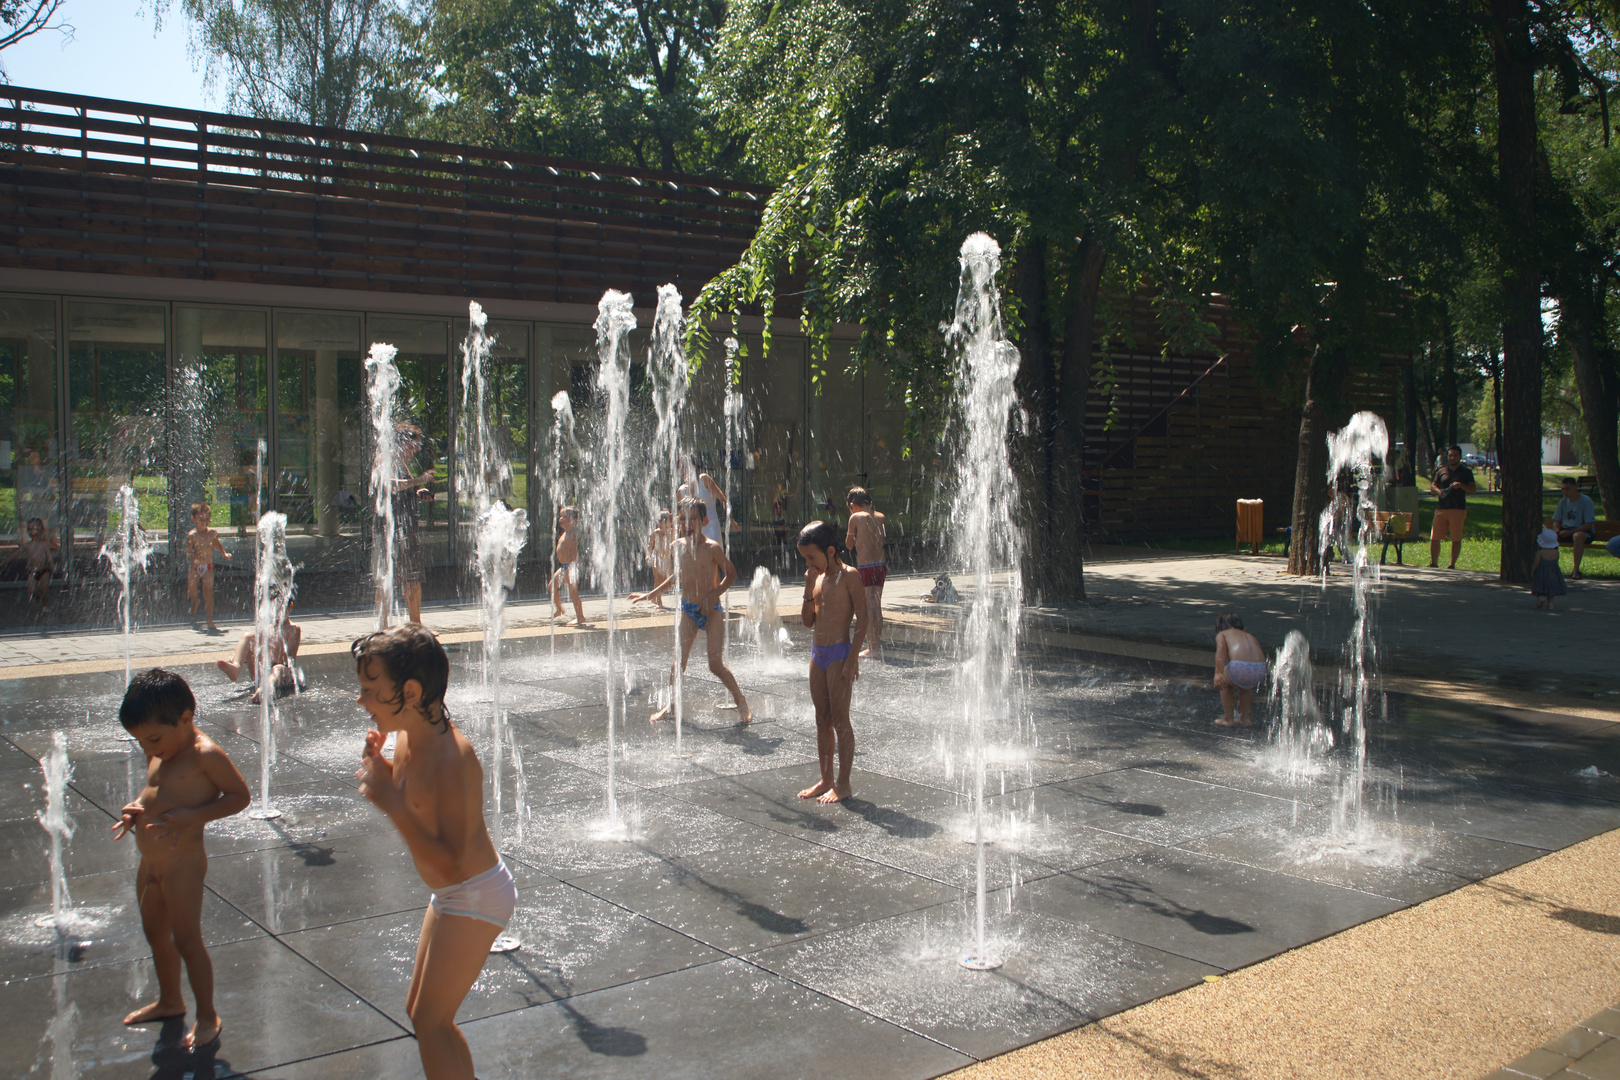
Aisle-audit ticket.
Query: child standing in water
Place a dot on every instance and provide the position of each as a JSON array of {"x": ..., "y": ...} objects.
[
  {"x": 1240, "y": 668},
  {"x": 865, "y": 539},
  {"x": 433, "y": 792},
  {"x": 39, "y": 554},
  {"x": 833, "y": 595},
  {"x": 567, "y": 563},
  {"x": 706, "y": 574},
  {"x": 189, "y": 782},
  {"x": 660, "y": 553},
  {"x": 201, "y": 544},
  {"x": 1546, "y": 577}
]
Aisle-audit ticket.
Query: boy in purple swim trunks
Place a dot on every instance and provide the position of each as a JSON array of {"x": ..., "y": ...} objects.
[
  {"x": 833, "y": 595},
  {"x": 706, "y": 574},
  {"x": 1240, "y": 668}
]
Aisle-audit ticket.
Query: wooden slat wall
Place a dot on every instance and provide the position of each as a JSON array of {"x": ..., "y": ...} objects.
[
  {"x": 1228, "y": 439},
  {"x": 100, "y": 186}
]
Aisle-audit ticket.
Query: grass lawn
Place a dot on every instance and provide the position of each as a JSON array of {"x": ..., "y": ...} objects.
[{"x": 1482, "y": 539}]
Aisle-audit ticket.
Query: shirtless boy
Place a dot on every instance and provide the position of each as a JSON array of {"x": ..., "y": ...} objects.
[
  {"x": 1240, "y": 668},
  {"x": 39, "y": 553},
  {"x": 833, "y": 595},
  {"x": 189, "y": 782},
  {"x": 201, "y": 544},
  {"x": 567, "y": 563},
  {"x": 283, "y": 647},
  {"x": 433, "y": 792},
  {"x": 706, "y": 574},
  {"x": 865, "y": 539},
  {"x": 658, "y": 552}
]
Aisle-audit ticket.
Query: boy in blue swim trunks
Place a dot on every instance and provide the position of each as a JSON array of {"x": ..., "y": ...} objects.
[
  {"x": 705, "y": 575},
  {"x": 1240, "y": 668},
  {"x": 833, "y": 595}
]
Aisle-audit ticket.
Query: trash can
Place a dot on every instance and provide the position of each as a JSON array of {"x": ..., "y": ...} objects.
[{"x": 1251, "y": 524}]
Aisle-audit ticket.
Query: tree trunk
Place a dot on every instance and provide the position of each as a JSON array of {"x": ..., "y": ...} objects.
[
  {"x": 1516, "y": 141},
  {"x": 1069, "y": 442},
  {"x": 1310, "y": 466},
  {"x": 1448, "y": 387},
  {"x": 1410, "y": 427},
  {"x": 1036, "y": 389},
  {"x": 1580, "y": 329}
]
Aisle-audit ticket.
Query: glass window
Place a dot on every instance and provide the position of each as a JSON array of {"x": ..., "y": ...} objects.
[
  {"x": 775, "y": 509},
  {"x": 506, "y": 391},
  {"x": 423, "y": 399},
  {"x": 323, "y": 472},
  {"x": 117, "y": 388},
  {"x": 219, "y": 401},
  {"x": 30, "y": 469}
]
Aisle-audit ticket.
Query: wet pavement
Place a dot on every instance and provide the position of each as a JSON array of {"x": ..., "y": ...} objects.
[{"x": 733, "y": 929}]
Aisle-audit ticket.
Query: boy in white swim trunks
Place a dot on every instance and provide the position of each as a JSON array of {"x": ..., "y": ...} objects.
[
  {"x": 1240, "y": 668},
  {"x": 433, "y": 792}
]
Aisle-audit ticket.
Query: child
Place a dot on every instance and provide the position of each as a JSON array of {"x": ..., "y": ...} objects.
[
  {"x": 433, "y": 792},
  {"x": 39, "y": 551},
  {"x": 201, "y": 544},
  {"x": 833, "y": 594},
  {"x": 283, "y": 647},
  {"x": 1240, "y": 665},
  {"x": 865, "y": 539},
  {"x": 1546, "y": 579},
  {"x": 189, "y": 782},
  {"x": 567, "y": 573},
  {"x": 659, "y": 555},
  {"x": 706, "y": 574}
]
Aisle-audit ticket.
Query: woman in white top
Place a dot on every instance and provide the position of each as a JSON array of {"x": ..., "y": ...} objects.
[{"x": 704, "y": 488}]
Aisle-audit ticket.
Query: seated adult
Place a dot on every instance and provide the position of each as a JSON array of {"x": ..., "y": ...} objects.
[
  {"x": 1575, "y": 519},
  {"x": 1614, "y": 545}
]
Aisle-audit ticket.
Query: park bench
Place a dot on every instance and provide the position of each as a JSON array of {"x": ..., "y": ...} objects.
[
  {"x": 1392, "y": 527},
  {"x": 1605, "y": 532}
]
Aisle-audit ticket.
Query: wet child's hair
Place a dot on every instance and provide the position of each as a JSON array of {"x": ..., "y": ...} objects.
[
  {"x": 858, "y": 496},
  {"x": 566, "y": 512},
  {"x": 819, "y": 535},
  {"x": 408, "y": 651},
  {"x": 1229, "y": 621},
  {"x": 695, "y": 506},
  {"x": 198, "y": 508},
  {"x": 31, "y": 520},
  {"x": 156, "y": 697},
  {"x": 663, "y": 516}
]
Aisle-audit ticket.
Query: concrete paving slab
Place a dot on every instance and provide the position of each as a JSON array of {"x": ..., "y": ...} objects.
[
  {"x": 1216, "y": 912},
  {"x": 1164, "y": 809}
]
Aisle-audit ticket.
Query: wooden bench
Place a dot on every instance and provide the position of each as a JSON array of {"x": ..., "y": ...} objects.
[
  {"x": 1605, "y": 531},
  {"x": 1393, "y": 527}
]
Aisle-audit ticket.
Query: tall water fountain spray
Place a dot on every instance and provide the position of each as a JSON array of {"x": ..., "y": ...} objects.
[
  {"x": 501, "y": 533},
  {"x": 382, "y": 384},
  {"x": 563, "y": 447},
  {"x": 1300, "y": 742},
  {"x": 1355, "y": 477},
  {"x": 666, "y": 371},
  {"x": 273, "y": 584},
  {"x": 126, "y": 553},
  {"x": 987, "y": 542},
  {"x": 614, "y": 321},
  {"x": 764, "y": 620},
  {"x": 59, "y": 827}
]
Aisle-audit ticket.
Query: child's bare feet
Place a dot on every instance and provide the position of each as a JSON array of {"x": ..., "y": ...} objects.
[
  {"x": 1226, "y": 721},
  {"x": 1541, "y": 602},
  {"x": 212, "y": 629},
  {"x": 579, "y": 623},
  {"x": 816, "y": 792},
  {"x": 839, "y": 793},
  {"x": 204, "y": 1032},
  {"x": 661, "y": 714},
  {"x": 231, "y": 670},
  {"x": 158, "y": 1010}
]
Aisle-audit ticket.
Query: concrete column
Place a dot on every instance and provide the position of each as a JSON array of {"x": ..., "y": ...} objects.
[{"x": 328, "y": 442}]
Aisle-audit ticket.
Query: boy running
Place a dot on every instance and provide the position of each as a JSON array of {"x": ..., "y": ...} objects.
[
  {"x": 833, "y": 595},
  {"x": 706, "y": 574},
  {"x": 201, "y": 544},
  {"x": 865, "y": 539},
  {"x": 566, "y": 561},
  {"x": 433, "y": 792},
  {"x": 189, "y": 782}
]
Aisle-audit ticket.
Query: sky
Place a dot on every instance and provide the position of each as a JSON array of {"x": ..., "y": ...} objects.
[{"x": 114, "y": 53}]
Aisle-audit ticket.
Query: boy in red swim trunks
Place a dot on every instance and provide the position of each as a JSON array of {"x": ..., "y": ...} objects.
[
  {"x": 865, "y": 539},
  {"x": 833, "y": 595}
]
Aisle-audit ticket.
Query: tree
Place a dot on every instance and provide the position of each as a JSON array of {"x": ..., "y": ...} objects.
[
  {"x": 333, "y": 63},
  {"x": 614, "y": 82},
  {"x": 24, "y": 18}
]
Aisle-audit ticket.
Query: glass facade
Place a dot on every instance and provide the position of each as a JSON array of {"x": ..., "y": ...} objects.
[{"x": 247, "y": 408}]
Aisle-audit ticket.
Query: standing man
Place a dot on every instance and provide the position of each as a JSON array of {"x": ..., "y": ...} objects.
[
  {"x": 409, "y": 490},
  {"x": 1453, "y": 482},
  {"x": 1575, "y": 518}
]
